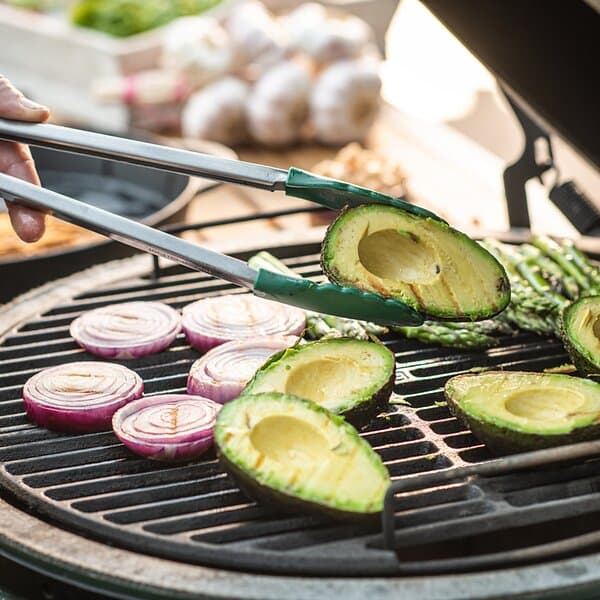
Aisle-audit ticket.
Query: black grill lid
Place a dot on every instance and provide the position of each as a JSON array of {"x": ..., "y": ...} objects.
[{"x": 545, "y": 52}]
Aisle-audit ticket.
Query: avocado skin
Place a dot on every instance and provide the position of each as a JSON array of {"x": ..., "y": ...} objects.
[
  {"x": 583, "y": 364},
  {"x": 501, "y": 441},
  {"x": 332, "y": 274},
  {"x": 285, "y": 503},
  {"x": 361, "y": 415}
]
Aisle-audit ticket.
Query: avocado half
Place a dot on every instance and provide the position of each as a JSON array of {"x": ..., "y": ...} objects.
[
  {"x": 420, "y": 261},
  {"x": 349, "y": 377},
  {"x": 580, "y": 330},
  {"x": 513, "y": 411},
  {"x": 295, "y": 454}
]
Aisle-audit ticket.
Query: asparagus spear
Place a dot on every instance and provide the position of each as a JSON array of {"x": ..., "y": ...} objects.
[
  {"x": 590, "y": 270},
  {"x": 531, "y": 272},
  {"x": 486, "y": 327},
  {"x": 531, "y": 312},
  {"x": 528, "y": 309},
  {"x": 560, "y": 281},
  {"x": 437, "y": 333},
  {"x": 557, "y": 253}
]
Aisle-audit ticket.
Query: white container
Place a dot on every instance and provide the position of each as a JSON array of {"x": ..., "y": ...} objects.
[{"x": 55, "y": 63}]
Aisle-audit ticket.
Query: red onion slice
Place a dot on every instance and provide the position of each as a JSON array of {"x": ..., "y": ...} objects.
[
  {"x": 213, "y": 321},
  {"x": 223, "y": 372},
  {"x": 80, "y": 396},
  {"x": 127, "y": 330},
  {"x": 171, "y": 427}
]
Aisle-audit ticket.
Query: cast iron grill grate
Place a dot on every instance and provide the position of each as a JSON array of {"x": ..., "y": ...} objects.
[{"x": 194, "y": 512}]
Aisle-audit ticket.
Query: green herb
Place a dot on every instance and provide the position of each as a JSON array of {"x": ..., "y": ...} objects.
[{"x": 122, "y": 18}]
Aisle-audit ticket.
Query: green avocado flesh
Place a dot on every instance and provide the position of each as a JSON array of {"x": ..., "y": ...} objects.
[
  {"x": 353, "y": 378},
  {"x": 581, "y": 334},
  {"x": 423, "y": 262},
  {"x": 293, "y": 453},
  {"x": 516, "y": 412}
]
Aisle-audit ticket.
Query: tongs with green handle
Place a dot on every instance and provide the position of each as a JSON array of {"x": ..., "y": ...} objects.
[{"x": 325, "y": 298}]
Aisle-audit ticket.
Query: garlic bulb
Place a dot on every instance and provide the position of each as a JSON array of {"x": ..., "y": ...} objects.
[
  {"x": 344, "y": 101},
  {"x": 198, "y": 47},
  {"x": 325, "y": 38},
  {"x": 256, "y": 36},
  {"x": 278, "y": 104},
  {"x": 217, "y": 112}
]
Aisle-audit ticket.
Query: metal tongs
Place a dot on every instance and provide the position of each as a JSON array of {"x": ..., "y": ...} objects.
[{"x": 325, "y": 298}]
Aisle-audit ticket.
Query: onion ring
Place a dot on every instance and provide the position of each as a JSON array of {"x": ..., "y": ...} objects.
[
  {"x": 216, "y": 320},
  {"x": 223, "y": 372},
  {"x": 80, "y": 396},
  {"x": 171, "y": 427},
  {"x": 127, "y": 330}
]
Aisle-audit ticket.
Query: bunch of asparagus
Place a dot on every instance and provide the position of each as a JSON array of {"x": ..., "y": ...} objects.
[{"x": 544, "y": 276}]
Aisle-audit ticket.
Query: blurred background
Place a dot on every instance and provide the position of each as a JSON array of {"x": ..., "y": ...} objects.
[{"x": 377, "y": 92}]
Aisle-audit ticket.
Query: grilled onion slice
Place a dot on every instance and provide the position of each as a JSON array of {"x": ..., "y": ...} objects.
[
  {"x": 170, "y": 427},
  {"x": 80, "y": 396},
  {"x": 127, "y": 330}
]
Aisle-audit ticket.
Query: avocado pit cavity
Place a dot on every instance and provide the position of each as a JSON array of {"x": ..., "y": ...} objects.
[
  {"x": 544, "y": 404},
  {"x": 398, "y": 256},
  {"x": 288, "y": 440},
  {"x": 321, "y": 380}
]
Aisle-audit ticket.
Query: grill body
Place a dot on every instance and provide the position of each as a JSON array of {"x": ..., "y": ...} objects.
[{"x": 133, "y": 517}]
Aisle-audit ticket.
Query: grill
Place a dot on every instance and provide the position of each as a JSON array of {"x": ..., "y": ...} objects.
[{"x": 194, "y": 514}]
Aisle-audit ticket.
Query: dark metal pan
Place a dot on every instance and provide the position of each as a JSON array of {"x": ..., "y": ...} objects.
[{"x": 151, "y": 196}]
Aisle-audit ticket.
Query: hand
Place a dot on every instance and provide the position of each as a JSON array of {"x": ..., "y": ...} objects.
[{"x": 15, "y": 159}]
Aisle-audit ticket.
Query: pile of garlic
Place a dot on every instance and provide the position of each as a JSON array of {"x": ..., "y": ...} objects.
[{"x": 253, "y": 76}]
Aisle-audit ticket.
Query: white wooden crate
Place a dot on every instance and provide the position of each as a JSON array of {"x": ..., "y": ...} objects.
[{"x": 55, "y": 62}]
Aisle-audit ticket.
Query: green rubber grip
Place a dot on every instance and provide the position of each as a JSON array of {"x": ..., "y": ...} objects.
[
  {"x": 334, "y": 300},
  {"x": 336, "y": 194}
]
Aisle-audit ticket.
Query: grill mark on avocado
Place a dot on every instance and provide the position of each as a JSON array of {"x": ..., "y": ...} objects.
[
  {"x": 417, "y": 295},
  {"x": 342, "y": 473},
  {"x": 451, "y": 295},
  {"x": 294, "y": 478},
  {"x": 374, "y": 281}
]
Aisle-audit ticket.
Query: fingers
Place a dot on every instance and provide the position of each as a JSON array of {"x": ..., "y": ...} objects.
[
  {"x": 15, "y": 160},
  {"x": 13, "y": 105},
  {"x": 28, "y": 224}
]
